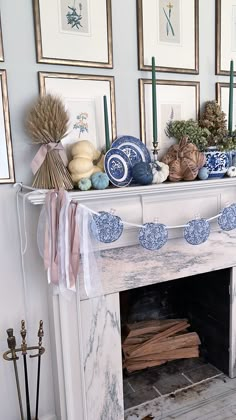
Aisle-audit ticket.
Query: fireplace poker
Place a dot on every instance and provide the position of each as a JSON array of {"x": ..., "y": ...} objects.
[
  {"x": 40, "y": 336},
  {"x": 24, "y": 353},
  {"x": 11, "y": 341}
]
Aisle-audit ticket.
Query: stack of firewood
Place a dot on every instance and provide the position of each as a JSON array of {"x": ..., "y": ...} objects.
[{"x": 152, "y": 343}]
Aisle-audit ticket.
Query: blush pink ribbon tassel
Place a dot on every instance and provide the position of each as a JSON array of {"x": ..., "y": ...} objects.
[
  {"x": 42, "y": 153},
  {"x": 55, "y": 258}
]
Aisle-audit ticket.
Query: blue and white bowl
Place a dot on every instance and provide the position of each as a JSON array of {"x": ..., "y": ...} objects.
[{"x": 118, "y": 167}]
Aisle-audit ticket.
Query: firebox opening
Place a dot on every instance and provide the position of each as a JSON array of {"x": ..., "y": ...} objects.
[{"x": 203, "y": 301}]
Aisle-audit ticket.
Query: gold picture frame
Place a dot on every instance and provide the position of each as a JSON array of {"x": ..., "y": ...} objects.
[
  {"x": 7, "y": 175},
  {"x": 1, "y": 43},
  {"x": 222, "y": 97},
  {"x": 179, "y": 54},
  {"x": 86, "y": 107},
  {"x": 57, "y": 43},
  {"x": 225, "y": 36},
  {"x": 175, "y": 100}
]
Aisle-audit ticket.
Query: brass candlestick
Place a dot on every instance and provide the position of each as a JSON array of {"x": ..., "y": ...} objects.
[{"x": 155, "y": 151}]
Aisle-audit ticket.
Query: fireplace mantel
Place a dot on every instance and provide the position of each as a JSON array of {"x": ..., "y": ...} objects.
[
  {"x": 87, "y": 362},
  {"x": 38, "y": 196}
]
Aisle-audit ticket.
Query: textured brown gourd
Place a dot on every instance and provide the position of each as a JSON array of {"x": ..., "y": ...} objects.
[{"x": 184, "y": 160}]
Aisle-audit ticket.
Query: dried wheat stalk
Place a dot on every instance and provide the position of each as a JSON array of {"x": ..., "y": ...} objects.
[{"x": 47, "y": 122}]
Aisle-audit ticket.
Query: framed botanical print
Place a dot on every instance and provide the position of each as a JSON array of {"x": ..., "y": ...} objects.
[
  {"x": 222, "y": 97},
  {"x": 225, "y": 35},
  {"x": 6, "y": 156},
  {"x": 83, "y": 98},
  {"x": 176, "y": 100},
  {"x": 169, "y": 31},
  {"x": 74, "y": 32}
]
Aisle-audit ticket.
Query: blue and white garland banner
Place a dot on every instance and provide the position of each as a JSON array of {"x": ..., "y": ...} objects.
[
  {"x": 107, "y": 228},
  {"x": 153, "y": 236},
  {"x": 197, "y": 231},
  {"x": 227, "y": 219}
]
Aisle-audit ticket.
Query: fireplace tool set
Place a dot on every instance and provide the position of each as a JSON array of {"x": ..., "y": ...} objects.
[{"x": 12, "y": 356}]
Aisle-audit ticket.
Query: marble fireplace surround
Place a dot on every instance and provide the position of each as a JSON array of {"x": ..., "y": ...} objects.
[{"x": 87, "y": 363}]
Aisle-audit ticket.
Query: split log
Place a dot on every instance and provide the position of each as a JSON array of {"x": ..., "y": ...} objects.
[
  {"x": 170, "y": 343},
  {"x": 152, "y": 326},
  {"x": 159, "y": 359},
  {"x": 159, "y": 337}
]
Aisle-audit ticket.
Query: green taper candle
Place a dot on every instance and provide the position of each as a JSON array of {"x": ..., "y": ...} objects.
[
  {"x": 154, "y": 102},
  {"x": 107, "y": 135},
  {"x": 231, "y": 98}
]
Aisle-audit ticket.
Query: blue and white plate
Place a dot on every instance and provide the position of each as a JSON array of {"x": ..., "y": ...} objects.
[
  {"x": 118, "y": 167},
  {"x": 197, "y": 231},
  {"x": 133, "y": 148},
  {"x": 153, "y": 236},
  {"x": 106, "y": 227},
  {"x": 227, "y": 219}
]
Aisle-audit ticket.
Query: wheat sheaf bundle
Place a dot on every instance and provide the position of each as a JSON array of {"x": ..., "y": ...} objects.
[{"x": 47, "y": 124}]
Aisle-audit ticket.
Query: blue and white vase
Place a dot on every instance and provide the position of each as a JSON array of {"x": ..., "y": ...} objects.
[{"x": 217, "y": 162}]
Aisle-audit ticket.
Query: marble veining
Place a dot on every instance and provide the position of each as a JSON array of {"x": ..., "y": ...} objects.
[
  {"x": 100, "y": 318},
  {"x": 129, "y": 267}
]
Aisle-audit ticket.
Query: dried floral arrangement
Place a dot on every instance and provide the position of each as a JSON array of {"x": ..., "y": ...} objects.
[
  {"x": 214, "y": 119},
  {"x": 210, "y": 131},
  {"x": 47, "y": 124},
  {"x": 190, "y": 129}
]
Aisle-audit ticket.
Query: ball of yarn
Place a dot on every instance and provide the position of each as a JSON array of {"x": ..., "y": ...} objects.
[
  {"x": 203, "y": 173},
  {"x": 100, "y": 180},
  {"x": 85, "y": 184},
  {"x": 142, "y": 173}
]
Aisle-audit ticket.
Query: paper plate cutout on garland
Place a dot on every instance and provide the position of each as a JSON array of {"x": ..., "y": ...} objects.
[
  {"x": 197, "y": 231},
  {"x": 153, "y": 236},
  {"x": 227, "y": 219},
  {"x": 106, "y": 227}
]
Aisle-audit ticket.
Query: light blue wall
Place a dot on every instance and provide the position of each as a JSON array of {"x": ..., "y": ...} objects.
[{"x": 21, "y": 66}]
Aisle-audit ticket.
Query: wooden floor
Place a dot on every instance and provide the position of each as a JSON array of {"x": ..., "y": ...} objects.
[{"x": 210, "y": 400}]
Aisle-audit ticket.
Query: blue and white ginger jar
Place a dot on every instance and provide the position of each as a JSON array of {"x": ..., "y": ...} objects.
[{"x": 217, "y": 162}]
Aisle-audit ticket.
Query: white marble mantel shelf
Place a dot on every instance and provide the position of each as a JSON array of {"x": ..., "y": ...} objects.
[
  {"x": 38, "y": 196},
  {"x": 130, "y": 267}
]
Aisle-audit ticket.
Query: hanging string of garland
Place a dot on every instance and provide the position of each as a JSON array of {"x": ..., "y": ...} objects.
[{"x": 106, "y": 227}]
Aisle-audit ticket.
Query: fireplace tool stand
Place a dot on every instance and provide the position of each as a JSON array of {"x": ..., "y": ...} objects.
[{"x": 11, "y": 356}]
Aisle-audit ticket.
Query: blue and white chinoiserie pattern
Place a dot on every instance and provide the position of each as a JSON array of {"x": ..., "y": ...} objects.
[
  {"x": 135, "y": 150},
  {"x": 106, "y": 227},
  {"x": 227, "y": 219},
  {"x": 197, "y": 231},
  {"x": 118, "y": 167},
  {"x": 217, "y": 162},
  {"x": 153, "y": 236}
]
